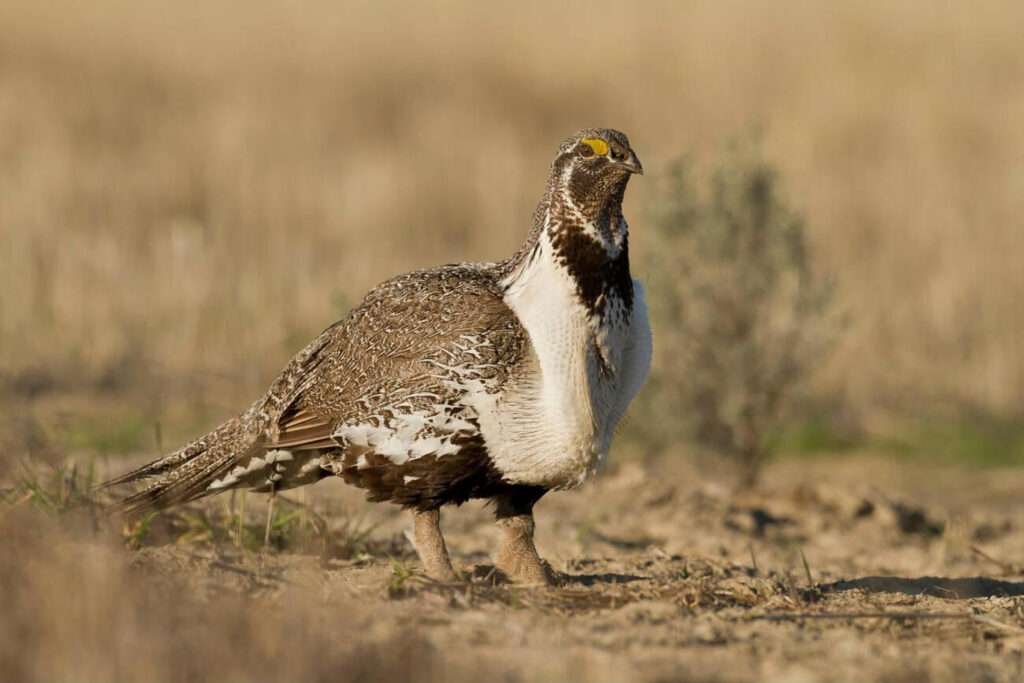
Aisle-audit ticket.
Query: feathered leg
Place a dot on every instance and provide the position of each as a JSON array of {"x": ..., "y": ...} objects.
[
  {"x": 429, "y": 545},
  {"x": 518, "y": 557}
]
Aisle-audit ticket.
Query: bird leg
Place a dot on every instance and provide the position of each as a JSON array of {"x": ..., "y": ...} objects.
[
  {"x": 429, "y": 544},
  {"x": 517, "y": 557}
]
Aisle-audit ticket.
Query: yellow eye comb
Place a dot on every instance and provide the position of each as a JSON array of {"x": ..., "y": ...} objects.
[{"x": 599, "y": 146}]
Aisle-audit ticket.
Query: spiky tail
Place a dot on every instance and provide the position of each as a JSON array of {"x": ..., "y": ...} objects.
[{"x": 187, "y": 473}]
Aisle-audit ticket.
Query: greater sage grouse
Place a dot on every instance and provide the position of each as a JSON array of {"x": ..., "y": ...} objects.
[{"x": 483, "y": 380}]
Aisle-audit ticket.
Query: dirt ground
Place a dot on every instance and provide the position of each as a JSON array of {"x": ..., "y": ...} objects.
[{"x": 834, "y": 570}]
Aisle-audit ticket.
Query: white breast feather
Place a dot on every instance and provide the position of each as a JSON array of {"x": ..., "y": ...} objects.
[
  {"x": 636, "y": 357},
  {"x": 555, "y": 427}
]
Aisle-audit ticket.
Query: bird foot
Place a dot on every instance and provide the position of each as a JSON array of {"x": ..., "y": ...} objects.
[{"x": 523, "y": 565}]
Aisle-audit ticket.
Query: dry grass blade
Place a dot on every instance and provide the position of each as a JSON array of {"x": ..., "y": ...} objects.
[
  {"x": 994, "y": 623},
  {"x": 807, "y": 569},
  {"x": 1007, "y": 567}
]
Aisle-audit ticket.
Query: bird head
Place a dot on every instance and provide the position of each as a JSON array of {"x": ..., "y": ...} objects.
[
  {"x": 581, "y": 213},
  {"x": 593, "y": 167}
]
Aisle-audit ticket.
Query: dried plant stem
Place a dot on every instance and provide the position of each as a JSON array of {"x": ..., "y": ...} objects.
[
  {"x": 239, "y": 540},
  {"x": 270, "y": 517}
]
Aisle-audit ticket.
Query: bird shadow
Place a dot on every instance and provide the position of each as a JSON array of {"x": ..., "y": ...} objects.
[
  {"x": 610, "y": 578},
  {"x": 935, "y": 586},
  {"x": 487, "y": 573}
]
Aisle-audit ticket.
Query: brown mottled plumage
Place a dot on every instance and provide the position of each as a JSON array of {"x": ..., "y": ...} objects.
[{"x": 499, "y": 380}]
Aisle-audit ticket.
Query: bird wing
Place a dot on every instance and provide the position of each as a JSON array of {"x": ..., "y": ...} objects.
[{"x": 405, "y": 348}]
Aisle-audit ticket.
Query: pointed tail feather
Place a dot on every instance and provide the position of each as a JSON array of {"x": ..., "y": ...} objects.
[
  {"x": 186, "y": 474},
  {"x": 161, "y": 466}
]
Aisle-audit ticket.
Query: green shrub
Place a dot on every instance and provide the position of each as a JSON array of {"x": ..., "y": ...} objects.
[{"x": 739, "y": 315}]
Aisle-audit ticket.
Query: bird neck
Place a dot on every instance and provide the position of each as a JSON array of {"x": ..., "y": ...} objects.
[
  {"x": 584, "y": 237},
  {"x": 589, "y": 209}
]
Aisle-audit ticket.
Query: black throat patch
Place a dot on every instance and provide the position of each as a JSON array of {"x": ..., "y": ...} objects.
[{"x": 598, "y": 276}]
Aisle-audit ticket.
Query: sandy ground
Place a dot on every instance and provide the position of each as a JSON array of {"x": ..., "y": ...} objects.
[{"x": 836, "y": 570}]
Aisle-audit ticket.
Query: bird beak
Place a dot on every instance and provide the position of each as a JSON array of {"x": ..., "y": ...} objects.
[{"x": 632, "y": 164}]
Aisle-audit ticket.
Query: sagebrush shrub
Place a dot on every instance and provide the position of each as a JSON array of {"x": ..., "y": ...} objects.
[{"x": 740, "y": 316}]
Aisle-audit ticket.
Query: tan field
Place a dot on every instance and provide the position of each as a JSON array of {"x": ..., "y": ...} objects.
[
  {"x": 189, "y": 193},
  {"x": 842, "y": 570}
]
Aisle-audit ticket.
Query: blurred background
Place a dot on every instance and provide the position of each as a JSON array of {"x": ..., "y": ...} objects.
[{"x": 190, "y": 192}]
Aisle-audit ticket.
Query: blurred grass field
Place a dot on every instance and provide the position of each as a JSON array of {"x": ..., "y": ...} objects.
[{"x": 188, "y": 193}]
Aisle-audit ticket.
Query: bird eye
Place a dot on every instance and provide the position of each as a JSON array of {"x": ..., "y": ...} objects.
[
  {"x": 596, "y": 145},
  {"x": 585, "y": 151}
]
